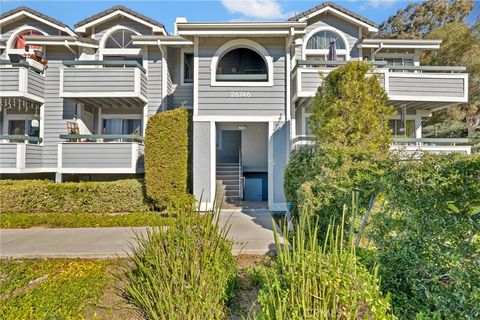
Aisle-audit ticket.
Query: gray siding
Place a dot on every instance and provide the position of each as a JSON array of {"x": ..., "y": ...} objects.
[
  {"x": 154, "y": 81},
  {"x": 36, "y": 84},
  {"x": 102, "y": 29},
  {"x": 57, "y": 110},
  {"x": 267, "y": 101},
  {"x": 310, "y": 81},
  {"x": 201, "y": 161},
  {"x": 8, "y": 155},
  {"x": 33, "y": 156},
  {"x": 9, "y": 78},
  {"x": 179, "y": 94},
  {"x": 438, "y": 87},
  {"x": 329, "y": 20},
  {"x": 102, "y": 80},
  {"x": 97, "y": 155}
]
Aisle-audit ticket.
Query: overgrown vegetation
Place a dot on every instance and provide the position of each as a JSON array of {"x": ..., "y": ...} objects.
[
  {"x": 52, "y": 289},
  {"x": 312, "y": 280},
  {"x": 167, "y": 153},
  {"x": 425, "y": 232},
  {"x": 83, "y": 220},
  {"x": 41, "y": 196},
  {"x": 184, "y": 272}
]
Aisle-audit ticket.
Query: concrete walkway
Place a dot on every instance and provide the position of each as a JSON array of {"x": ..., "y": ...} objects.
[{"x": 250, "y": 229}]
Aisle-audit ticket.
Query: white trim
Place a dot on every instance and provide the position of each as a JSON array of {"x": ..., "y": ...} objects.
[
  {"x": 252, "y": 118},
  {"x": 121, "y": 52},
  {"x": 99, "y": 170},
  {"x": 9, "y": 45},
  {"x": 270, "y": 164},
  {"x": 370, "y": 28},
  {"x": 28, "y": 14},
  {"x": 234, "y": 33},
  {"x": 183, "y": 51},
  {"x": 107, "y": 94},
  {"x": 134, "y": 156},
  {"x": 164, "y": 53},
  {"x": 155, "y": 28},
  {"x": 21, "y": 155},
  {"x": 306, "y": 51},
  {"x": 195, "y": 77},
  {"x": 123, "y": 116},
  {"x": 59, "y": 155},
  {"x": 100, "y": 121},
  {"x": 235, "y": 44},
  {"x": 61, "y": 43},
  {"x": 116, "y": 51},
  {"x": 288, "y": 73},
  {"x": 213, "y": 161},
  {"x": 27, "y": 170}
]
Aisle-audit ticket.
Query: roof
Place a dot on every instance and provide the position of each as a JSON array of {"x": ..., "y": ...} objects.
[
  {"x": 60, "y": 40},
  {"x": 35, "y": 13},
  {"x": 400, "y": 43},
  {"x": 118, "y": 8},
  {"x": 334, "y": 6}
]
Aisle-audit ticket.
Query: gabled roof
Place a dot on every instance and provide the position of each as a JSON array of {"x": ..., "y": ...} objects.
[
  {"x": 325, "y": 6},
  {"x": 113, "y": 11},
  {"x": 12, "y": 14}
]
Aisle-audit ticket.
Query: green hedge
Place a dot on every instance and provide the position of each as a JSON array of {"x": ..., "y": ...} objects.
[
  {"x": 41, "y": 196},
  {"x": 167, "y": 152}
]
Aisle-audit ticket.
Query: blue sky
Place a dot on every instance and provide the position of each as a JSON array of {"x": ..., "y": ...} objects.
[{"x": 166, "y": 11}]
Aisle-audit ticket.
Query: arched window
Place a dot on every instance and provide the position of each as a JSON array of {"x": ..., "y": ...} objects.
[
  {"x": 19, "y": 41},
  {"x": 120, "y": 39},
  {"x": 242, "y": 64},
  {"x": 322, "y": 39}
]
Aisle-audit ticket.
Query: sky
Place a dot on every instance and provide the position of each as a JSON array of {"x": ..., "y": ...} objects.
[{"x": 165, "y": 11}]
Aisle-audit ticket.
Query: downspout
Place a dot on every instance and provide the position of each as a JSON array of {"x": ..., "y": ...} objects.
[
  {"x": 70, "y": 48},
  {"x": 380, "y": 47}
]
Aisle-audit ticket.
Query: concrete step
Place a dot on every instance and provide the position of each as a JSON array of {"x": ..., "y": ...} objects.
[
  {"x": 226, "y": 164},
  {"x": 229, "y": 177},
  {"x": 228, "y": 187}
]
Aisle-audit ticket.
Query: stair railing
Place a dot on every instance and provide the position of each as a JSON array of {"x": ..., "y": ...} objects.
[{"x": 241, "y": 179}]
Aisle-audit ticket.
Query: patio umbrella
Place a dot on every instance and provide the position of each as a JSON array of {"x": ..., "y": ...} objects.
[{"x": 332, "y": 51}]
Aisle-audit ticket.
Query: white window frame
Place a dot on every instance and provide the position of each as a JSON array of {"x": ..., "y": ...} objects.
[
  {"x": 102, "y": 51},
  {"x": 183, "y": 51},
  {"x": 237, "y": 44},
  {"x": 324, "y": 52},
  {"x": 15, "y": 117},
  {"x": 9, "y": 45}
]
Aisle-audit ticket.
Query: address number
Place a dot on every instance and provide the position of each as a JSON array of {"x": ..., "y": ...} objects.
[{"x": 240, "y": 94}]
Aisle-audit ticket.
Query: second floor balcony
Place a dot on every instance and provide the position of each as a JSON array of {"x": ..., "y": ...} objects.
[
  {"x": 111, "y": 83},
  {"x": 419, "y": 84},
  {"x": 20, "y": 84}
]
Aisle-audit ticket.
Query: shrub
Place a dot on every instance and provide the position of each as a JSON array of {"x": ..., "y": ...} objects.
[
  {"x": 167, "y": 152},
  {"x": 302, "y": 166},
  {"x": 425, "y": 230},
  {"x": 315, "y": 281},
  {"x": 184, "y": 272},
  {"x": 41, "y": 196}
]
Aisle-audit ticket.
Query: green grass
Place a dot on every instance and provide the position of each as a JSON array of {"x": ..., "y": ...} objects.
[
  {"x": 79, "y": 220},
  {"x": 52, "y": 289}
]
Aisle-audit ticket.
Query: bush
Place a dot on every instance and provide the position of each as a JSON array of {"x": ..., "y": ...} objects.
[
  {"x": 426, "y": 233},
  {"x": 302, "y": 166},
  {"x": 41, "y": 196},
  {"x": 185, "y": 272},
  {"x": 315, "y": 281},
  {"x": 167, "y": 152}
]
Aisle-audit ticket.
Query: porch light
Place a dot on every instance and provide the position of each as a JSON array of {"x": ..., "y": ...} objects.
[{"x": 242, "y": 127}]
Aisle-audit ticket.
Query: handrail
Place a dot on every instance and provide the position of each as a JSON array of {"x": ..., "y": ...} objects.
[
  {"x": 429, "y": 68},
  {"x": 127, "y": 137},
  {"x": 111, "y": 63},
  {"x": 16, "y": 137},
  {"x": 240, "y": 174},
  {"x": 335, "y": 63}
]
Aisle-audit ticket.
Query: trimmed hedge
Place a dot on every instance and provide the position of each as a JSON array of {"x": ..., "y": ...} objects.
[
  {"x": 42, "y": 196},
  {"x": 167, "y": 152}
]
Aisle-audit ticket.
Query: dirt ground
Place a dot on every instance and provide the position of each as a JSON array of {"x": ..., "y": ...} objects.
[{"x": 244, "y": 305}]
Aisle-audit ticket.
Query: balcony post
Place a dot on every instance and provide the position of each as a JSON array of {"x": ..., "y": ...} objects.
[{"x": 21, "y": 150}]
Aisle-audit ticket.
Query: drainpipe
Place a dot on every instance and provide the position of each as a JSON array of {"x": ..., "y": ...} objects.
[
  {"x": 380, "y": 47},
  {"x": 70, "y": 48}
]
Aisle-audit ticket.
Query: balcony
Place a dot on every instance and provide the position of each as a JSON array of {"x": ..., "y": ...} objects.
[
  {"x": 102, "y": 154},
  {"x": 417, "y": 87},
  {"x": 110, "y": 83},
  {"x": 411, "y": 146},
  {"x": 20, "y": 154},
  {"x": 20, "y": 84}
]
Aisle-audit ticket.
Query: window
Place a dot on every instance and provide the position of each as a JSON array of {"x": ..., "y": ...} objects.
[
  {"x": 397, "y": 61},
  {"x": 122, "y": 126},
  {"x": 321, "y": 40},
  {"x": 19, "y": 41},
  {"x": 308, "y": 125},
  {"x": 120, "y": 39},
  {"x": 22, "y": 128},
  {"x": 187, "y": 67},
  {"x": 403, "y": 130},
  {"x": 242, "y": 64}
]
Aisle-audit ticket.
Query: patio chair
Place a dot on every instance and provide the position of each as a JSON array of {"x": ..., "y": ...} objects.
[{"x": 73, "y": 128}]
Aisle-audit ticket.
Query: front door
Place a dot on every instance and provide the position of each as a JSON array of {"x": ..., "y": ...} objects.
[{"x": 229, "y": 146}]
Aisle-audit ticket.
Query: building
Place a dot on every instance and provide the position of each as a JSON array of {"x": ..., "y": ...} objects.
[{"x": 82, "y": 113}]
